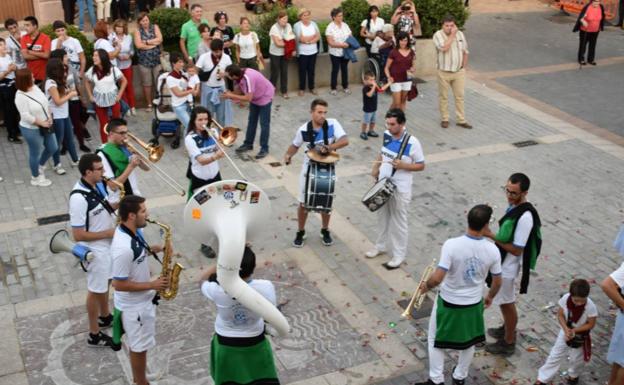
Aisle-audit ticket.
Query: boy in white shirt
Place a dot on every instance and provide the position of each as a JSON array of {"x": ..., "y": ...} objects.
[
  {"x": 193, "y": 83},
  {"x": 577, "y": 316},
  {"x": 71, "y": 45}
]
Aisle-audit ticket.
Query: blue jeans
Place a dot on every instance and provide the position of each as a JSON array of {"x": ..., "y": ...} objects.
[
  {"x": 183, "y": 113},
  {"x": 81, "y": 9},
  {"x": 64, "y": 132},
  {"x": 264, "y": 114},
  {"x": 40, "y": 148}
]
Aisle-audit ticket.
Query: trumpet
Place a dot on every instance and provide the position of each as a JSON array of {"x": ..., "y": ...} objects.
[
  {"x": 226, "y": 136},
  {"x": 418, "y": 297}
]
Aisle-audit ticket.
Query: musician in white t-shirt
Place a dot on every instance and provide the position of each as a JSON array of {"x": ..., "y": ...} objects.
[
  {"x": 239, "y": 332},
  {"x": 457, "y": 320},
  {"x": 336, "y": 139},
  {"x": 393, "y": 221},
  {"x": 135, "y": 291},
  {"x": 92, "y": 218}
]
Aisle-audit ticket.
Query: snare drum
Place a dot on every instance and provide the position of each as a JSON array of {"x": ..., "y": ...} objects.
[
  {"x": 319, "y": 186},
  {"x": 379, "y": 194}
]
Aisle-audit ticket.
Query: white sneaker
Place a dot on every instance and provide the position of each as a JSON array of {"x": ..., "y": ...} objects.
[
  {"x": 373, "y": 253},
  {"x": 40, "y": 181},
  {"x": 43, "y": 168},
  {"x": 59, "y": 169},
  {"x": 133, "y": 111},
  {"x": 347, "y": 91},
  {"x": 1, "y": 179},
  {"x": 395, "y": 262},
  {"x": 73, "y": 164}
]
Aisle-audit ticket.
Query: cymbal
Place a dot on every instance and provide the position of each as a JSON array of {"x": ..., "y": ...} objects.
[{"x": 331, "y": 157}]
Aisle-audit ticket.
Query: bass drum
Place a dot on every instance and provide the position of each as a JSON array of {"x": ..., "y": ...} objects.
[
  {"x": 379, "y": 194},
  {"x": 319, "y": 186}
]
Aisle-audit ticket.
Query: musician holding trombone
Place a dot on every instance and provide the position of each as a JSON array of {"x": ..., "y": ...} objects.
[
  {"x": 204, "y": 154},
  {"x": 119, "y": 163},
  {"x": 456, "y": 320},
  {"x": 92, "y": 206}
]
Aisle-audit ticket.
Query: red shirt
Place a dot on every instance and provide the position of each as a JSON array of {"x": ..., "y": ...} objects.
[
  {"x": 593, "y": 15},
  {"x": 42, "y": 44},
  {"x": 400, "y": 65}
]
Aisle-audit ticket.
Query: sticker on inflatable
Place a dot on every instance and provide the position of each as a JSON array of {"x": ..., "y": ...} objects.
[
  {"x": 243, "y": 196},
  {"x": 212, "y": 190},
  {"x": 228, "y": 195},
  {"x": 228, "y": 187},
  {"x": 196, "y": 214},
  {"x": 255, "y": 197},
  {"x": 202, "y": 197},
  {"x": 241, "y": 186}
]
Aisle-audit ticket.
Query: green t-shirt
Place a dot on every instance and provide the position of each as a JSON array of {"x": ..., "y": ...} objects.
[{"x": 191, "y": 34}]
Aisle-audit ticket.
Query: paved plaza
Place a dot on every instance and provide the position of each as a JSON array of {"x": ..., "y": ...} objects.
[{"x": 347, "y": 326}]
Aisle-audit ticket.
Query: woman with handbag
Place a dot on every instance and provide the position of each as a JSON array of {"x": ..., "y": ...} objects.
[
  {"x": 280, "y": 33},
  {"x": 308, "y": 35},
  {"x": 105, "y": 87},
  {"x": 35, "y": 125},
  {"x": 247, "y": 47},
  {"x": 397, "y": 67},
  {"x": 147, "y": 40},
  {"x": 58, "y": 93}
]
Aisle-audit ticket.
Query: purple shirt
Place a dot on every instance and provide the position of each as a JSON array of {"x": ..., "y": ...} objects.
[{"x": 255, "y": 83}]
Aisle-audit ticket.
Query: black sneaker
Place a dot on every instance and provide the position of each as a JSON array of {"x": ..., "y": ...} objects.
[
  {"x": 262, "y": 154},
  {"x": 208, "y": 251},
  {"x": 572, "y": 380},
  {"x": 501, "y": 347},
  {"x": 105, "y": 322},
  {"x": 100, "y": 340},
  {"x": 497, "y": 333},
  {"x": 373, "y": 134},
  {"x": 298, "y": 242},
  {"x": 87, "y": 135},
  {"x": 63, "y": 151},
  {"x": 456, "y": 381},
  {"x": 363, "y": 136},
  {"x": 244, "y": 147},
  {"x": 428, "y": 382},
  {"x": 326, "y": 237},
  {"x": 84, "y": 148},
  {"x": 15, "y": 140}
]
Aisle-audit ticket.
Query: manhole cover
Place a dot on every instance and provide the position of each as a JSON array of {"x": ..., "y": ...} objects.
[{"x": 423, "y": 312}]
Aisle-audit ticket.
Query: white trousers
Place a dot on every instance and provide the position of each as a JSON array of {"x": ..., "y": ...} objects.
[
  {"x": 103, "y": 9},
  {"x": 393, "y": 225},
  {"x": 559, "y": 352},
  {"x": 436, "y": 355}
]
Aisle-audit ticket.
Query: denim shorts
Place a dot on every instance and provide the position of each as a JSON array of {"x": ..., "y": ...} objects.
[{"x": 369, "y": 117}]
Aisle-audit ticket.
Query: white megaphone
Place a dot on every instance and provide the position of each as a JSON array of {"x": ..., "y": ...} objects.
[
  {"x": 60, "y": 243},
  {"x": 233, "y": 210}
]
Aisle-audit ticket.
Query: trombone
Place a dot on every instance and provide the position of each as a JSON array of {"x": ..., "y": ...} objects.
[
  {"x": 154, "y": 153},
  {"x": 418, "y": 297},
  {"x": 226, "y": 136}
]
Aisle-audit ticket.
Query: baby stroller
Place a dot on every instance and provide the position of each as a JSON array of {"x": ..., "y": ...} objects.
[{"x": 165, "y": 122}]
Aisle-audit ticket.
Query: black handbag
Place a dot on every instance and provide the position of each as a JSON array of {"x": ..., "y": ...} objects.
[{"x": 42, "y": 130}]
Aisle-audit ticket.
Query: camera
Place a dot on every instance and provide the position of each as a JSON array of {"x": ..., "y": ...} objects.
[{"x": 405, "y": 8}]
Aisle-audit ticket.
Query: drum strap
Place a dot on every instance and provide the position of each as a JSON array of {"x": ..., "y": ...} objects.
[
  {"x": 312, "y": 136},
  {"x": 401, "y": 150}
]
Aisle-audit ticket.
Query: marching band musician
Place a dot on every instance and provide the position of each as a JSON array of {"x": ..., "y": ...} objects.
[
  {"x": 204, "y": 155},
  {"x": 135, "y": 300},
  {"x": 321, "y": 139},
  {"x": 119, "y": 163},
  {"x": 92, "y": 216},
  {"x": 240, "y": 353},
  {"x": 456, "y": 320},
  {"x": 393, "y": 223}
]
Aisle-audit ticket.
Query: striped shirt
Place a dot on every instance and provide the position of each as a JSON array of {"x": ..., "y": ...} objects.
[{"x": 451, "y": 60}]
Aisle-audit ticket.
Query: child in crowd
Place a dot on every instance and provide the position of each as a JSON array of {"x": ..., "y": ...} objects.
[
  {"x": 577, "y": 317},
  {"x": 193, "y": 83},
  {"x": 369, "y": 104}
]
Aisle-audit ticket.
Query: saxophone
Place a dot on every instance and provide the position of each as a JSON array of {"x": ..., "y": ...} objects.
[{"x": 172, "y": 273}]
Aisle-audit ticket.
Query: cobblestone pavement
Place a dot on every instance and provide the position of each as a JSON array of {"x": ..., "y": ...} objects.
[{"x": 343, "y": 307}]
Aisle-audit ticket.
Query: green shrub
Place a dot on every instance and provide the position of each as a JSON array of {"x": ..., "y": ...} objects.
[
  {"x": 322, "y": 27},
  {"x": 73, "y": 31},
  {"x": 431, "y": 13},
  {"x": 354, "y": 11},
  {"x": 385, "y": 12},
  {"x": 170, "y": 21}
]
